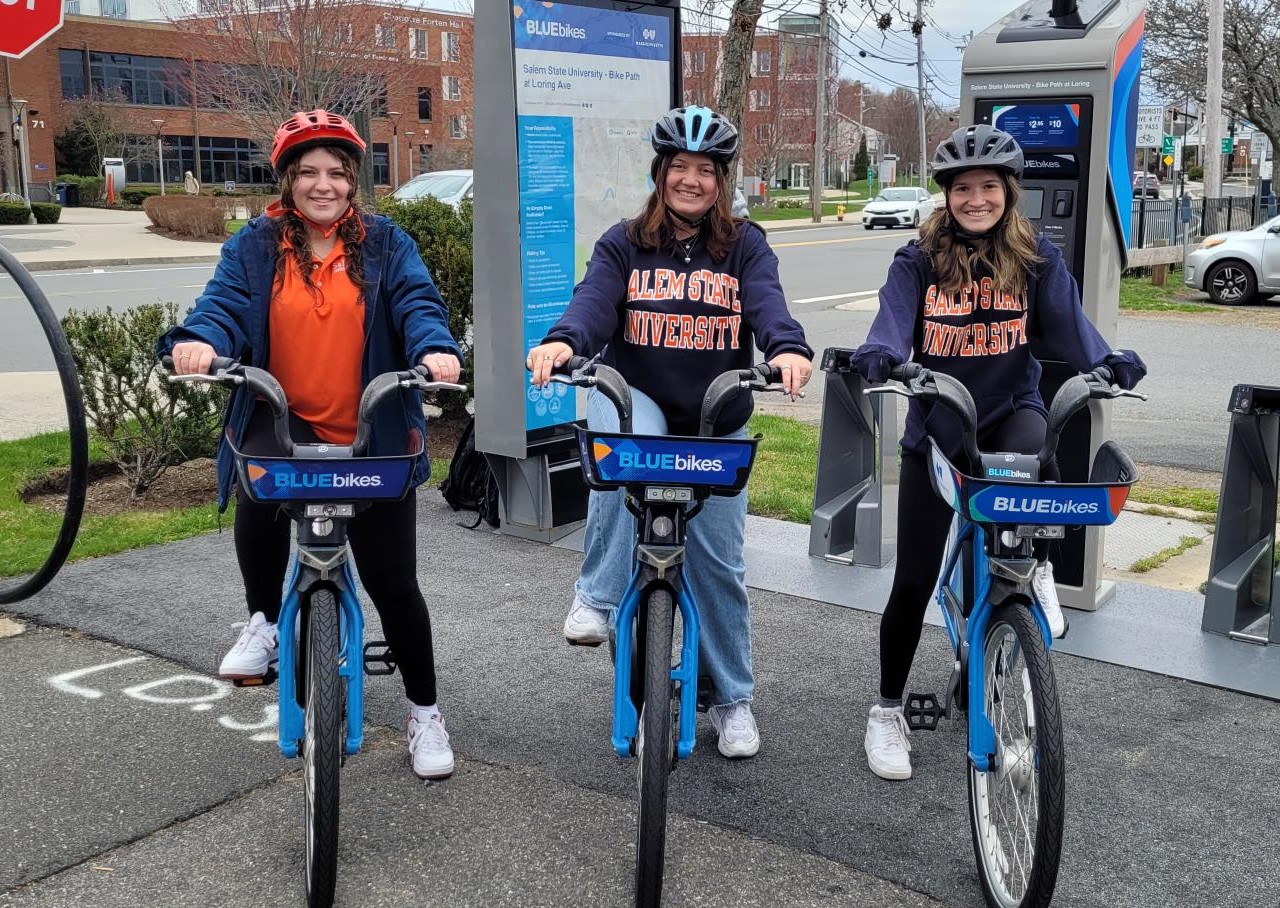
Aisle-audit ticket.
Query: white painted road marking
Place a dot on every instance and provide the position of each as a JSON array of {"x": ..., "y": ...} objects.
[
  {"x": 63, "y": 682},
  {"x": 836, "y": 296}
]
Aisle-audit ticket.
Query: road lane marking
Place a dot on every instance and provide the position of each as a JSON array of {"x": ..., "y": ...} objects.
[
  {"x": 83, "y": 273},
  {"x": 836, "y": 296},
  {"x": 63, "y": 682},
  {"x": 852, "y": 239}
]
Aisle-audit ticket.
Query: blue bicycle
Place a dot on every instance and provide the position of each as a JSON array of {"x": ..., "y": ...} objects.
[
  {"x": 322, "y": 653},
  {"x": 667, "y": 478},
  {"x": 1003, "y": 676}
]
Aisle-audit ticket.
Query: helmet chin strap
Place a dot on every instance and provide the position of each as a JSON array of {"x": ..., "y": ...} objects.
[{"x": 687, "y": 221}]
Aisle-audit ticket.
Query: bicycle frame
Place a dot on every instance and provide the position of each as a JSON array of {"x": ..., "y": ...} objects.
[
  {"x": 302, "y": 579},
  {"x": 968, "y": 633},
  {"x": 625, "y": 718}
]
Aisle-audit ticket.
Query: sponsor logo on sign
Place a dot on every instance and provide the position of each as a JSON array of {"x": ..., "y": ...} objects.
[
  {"x": 650, "y": 34},
  {"x": 1023, "y": 505}
]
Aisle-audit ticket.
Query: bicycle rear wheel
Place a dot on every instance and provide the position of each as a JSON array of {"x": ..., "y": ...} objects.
[
  {"x": 1016, "y": 811},
  {"x": 656, "y": 748},
  {"x": 321, "y": 746}
]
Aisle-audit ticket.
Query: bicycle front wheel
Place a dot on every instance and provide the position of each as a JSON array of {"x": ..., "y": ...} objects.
[
  {"x": 656, "y": 748},
  {"x": 321, "y": 746},
  {"x": 1016, "y": 810}
]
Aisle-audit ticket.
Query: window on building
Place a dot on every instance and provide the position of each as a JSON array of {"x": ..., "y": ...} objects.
[
  {"x": 452, "y": 88},
  {"x": 418, "y": 43},
  {"x": 764, "y": 132},
  {"x": 386, "y": 36},
  {"x": 424, "y": 103},
  {"x": 766, "y": 98},
  {"x": 75, "y": 75},
  {"x": 71, "y": 7},
  {"x": 424, "y": 158},
  {"x": 137, "y": 79},
  {"x": 115, "y": 9},
  {"x": 345, "y": 35},
  {"x": 224, "y": 24},
  {"x": 457, "y": 126},
  {"x": 381, "y": 160},
  {"x": 699, "y": 61},
  {"x": 450, "y": 48},
  {"x": 761, "y": 62}
]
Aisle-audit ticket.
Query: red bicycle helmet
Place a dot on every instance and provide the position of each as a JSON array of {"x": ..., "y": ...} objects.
[{"x": 311, "y": 130}]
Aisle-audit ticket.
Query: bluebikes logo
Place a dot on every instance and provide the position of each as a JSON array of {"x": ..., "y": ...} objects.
[
  {"x": 291, "y": 480},
  {"x": 1063, "y": 506},
  {"x": 671, "y": 461}
]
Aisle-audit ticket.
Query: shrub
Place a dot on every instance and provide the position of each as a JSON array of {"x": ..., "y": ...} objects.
[
  {"x": 145, "y": 423},
  {"x": 92, "y": 189},
  {"x": 792, "y": 203},
  {"x": 198, "y": 217},
  {"x": 1195, "y": 173},
  {"x": 138, "y": 195},
  {"x": 443, "y": 235},
  {"x": 46, "y": 212},
  {"x": 14, "y": 213}
]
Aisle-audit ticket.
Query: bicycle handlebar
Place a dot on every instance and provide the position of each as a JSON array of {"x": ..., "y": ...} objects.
[
  {"x": 226, "y": 371},
  {"x": 1077, "y": 391}
]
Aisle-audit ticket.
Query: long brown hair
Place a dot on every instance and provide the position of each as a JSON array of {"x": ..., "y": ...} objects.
[
  {"x": 296, "y": 248},
  {"x": 1009, "y": 252},
  {"x": 652, "y": 230}
]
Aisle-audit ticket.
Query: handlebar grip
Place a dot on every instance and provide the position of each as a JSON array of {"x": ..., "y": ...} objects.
[
  {"x": 219, "y": 364},
  {"x": 770, "y": 374},
  {"x": 905, "y": 372},
  {"x": 571, "y": 365},
  {"x": 1105, "y": 373}
]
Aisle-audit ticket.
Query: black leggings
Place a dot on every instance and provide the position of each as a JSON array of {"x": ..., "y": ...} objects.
[
  {"x": 924, "y": 520},
  {"x": 383, "y": 540}
]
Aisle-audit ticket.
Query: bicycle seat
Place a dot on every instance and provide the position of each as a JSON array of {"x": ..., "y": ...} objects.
[
  {"x": 704, "y": 466},
  {"x": 1018, "y": 501}
]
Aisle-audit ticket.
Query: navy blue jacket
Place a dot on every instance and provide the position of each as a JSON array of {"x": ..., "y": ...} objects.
[
  {"x": 672, "y": 326},
  {"x": 404, "y": 318},
  {"x": 981, "y": 336}
]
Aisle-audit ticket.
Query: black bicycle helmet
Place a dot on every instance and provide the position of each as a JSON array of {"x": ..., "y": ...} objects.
[
  {"x": 697, "y": 129},
  {"x": 977, "y": 147}
]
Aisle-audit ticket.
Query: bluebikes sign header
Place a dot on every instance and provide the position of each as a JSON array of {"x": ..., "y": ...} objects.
[
  {"x": 356, "y": 479},
  {"x": 568, "y": 28},
  {"x": 665, "y": 460}
]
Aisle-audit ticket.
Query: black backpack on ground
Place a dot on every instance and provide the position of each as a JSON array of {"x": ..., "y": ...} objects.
[{"x": 470, "y": 485}]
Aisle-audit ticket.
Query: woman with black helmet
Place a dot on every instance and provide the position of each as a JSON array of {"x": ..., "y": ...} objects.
[
  {"x": 967, "y": 298},
  {"x": 324, "y": 297},
  {"x": 674, "y": 297}
]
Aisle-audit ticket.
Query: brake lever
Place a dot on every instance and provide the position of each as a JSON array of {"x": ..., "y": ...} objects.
[{"x": 888, "y": 389}]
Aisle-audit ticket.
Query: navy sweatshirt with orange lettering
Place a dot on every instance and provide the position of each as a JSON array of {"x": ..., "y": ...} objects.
[
  {"x": 981, "y": 336},
  {"x": 671, "y": 327}
]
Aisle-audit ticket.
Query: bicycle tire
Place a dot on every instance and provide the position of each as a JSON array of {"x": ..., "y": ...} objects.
[
  {"x": 322, "y": 747},
  {"x": 656, "y": 757},
  {"x": 73, "y": 399},
  {"x": 1038, "y": 769}
]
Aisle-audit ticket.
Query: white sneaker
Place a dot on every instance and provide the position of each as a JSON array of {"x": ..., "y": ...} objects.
[
  {"x": 429, "y": 747},
  {"x": 888, "y": 750},
  {"x": 739, "y": 736},
  {"x": 1047, "y": 593},
  {"x": 254, "y": 652},
  {"x": 585, "y": 626}
]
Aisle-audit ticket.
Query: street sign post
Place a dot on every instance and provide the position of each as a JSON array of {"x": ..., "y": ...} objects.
[
  {"x": 26, "y": 24},
  {"x": 1228, "y": 145},
  {"x": 1167, "y": 147},
  {"x": 1150, "y": 126}
]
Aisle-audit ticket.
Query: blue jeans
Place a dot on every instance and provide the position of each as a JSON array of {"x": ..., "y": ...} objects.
[{"x": 714, "y": 567}]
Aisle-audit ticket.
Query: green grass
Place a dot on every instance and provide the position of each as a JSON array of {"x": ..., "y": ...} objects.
[
  {"x": 27, "y": 532},
  {"x": 1202, "y": 500},
  {"x": 791, "y": 214},
  {"x": 1138, "y": 293},
  {"x": 234, "y": 225},
  {"x": 1151, "y": 562},
  {"x": 786, "y": 461}
]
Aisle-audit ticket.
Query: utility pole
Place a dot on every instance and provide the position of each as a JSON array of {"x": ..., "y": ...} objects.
[
  {"x": 1211, "y": 118},
  {"x": 819, "y": 117},
  {"x": 919, "y": 30}
]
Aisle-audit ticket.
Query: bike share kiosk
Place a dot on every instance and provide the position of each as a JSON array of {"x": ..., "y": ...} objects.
[
  {"x": 1063, "y": 80},
  {"x": 563, "y": 108}
]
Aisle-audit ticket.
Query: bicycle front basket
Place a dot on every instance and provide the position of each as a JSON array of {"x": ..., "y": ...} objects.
[{"x": 611, "y": 460}]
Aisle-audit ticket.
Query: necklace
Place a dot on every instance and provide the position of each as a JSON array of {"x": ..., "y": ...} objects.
[{"x": 687, "y": 246}]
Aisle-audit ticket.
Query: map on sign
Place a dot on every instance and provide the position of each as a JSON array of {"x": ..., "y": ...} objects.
[
  {"x": 1150, "y": 127},
  {"x": 590, "y": 84}
]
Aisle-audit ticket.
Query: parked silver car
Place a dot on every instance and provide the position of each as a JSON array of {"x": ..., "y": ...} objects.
[
  {"x": 450, "y": 186},
  {"x": 1237, "y": 267}
]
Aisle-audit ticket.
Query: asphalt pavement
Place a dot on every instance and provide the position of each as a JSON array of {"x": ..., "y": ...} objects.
[{"x": 120, "y": 799}]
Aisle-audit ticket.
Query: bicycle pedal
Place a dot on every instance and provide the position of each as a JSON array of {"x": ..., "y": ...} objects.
[
  {"x": 590, "y": 644},
  {"x": 378, "y": 658},
  {"x": 923, "y": 712},
  {"x": 704, "y": 694},
  {"x": 260, "y": 681}
]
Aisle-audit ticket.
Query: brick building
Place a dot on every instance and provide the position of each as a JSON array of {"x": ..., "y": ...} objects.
[{"x": 152, "y": 67}]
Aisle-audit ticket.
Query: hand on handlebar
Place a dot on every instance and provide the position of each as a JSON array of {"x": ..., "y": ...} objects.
[
  {"x": 544, "y": 359},
  {"x": 443, "y": 367},
  {"x": 796, "y": 371},
  {"x": 193, "y": 358}
]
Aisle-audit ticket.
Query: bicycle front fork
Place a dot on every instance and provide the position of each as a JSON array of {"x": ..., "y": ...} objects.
[{"x": 685, "y": 674}]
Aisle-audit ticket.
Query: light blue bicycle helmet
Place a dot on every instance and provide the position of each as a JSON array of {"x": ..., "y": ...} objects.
[{"x": 695, "y": 129}]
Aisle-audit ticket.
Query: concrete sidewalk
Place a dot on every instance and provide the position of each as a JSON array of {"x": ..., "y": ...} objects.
[{"x": 98, "y": 238}]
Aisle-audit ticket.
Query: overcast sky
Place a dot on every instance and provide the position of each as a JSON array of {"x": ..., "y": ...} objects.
[{"x": 946, "y": 24}]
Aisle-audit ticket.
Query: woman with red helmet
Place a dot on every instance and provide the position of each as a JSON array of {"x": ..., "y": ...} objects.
[{"x": 324, "y": 297}]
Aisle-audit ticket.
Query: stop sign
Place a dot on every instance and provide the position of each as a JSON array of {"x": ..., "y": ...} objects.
[{"x": 24, "y": 24}]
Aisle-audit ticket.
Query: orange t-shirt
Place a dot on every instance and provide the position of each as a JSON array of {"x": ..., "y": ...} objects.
[{"x": 317, "y": 340}]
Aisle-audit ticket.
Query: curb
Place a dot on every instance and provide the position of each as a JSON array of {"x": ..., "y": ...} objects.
[{"x": 129, "y": 260}]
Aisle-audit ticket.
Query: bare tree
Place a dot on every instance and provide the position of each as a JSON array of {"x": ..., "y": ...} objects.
[
  {"x": 736, "y": 67},
  {"x": 1176, "y": 56},
  {"x": 102, "y": 120}
]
